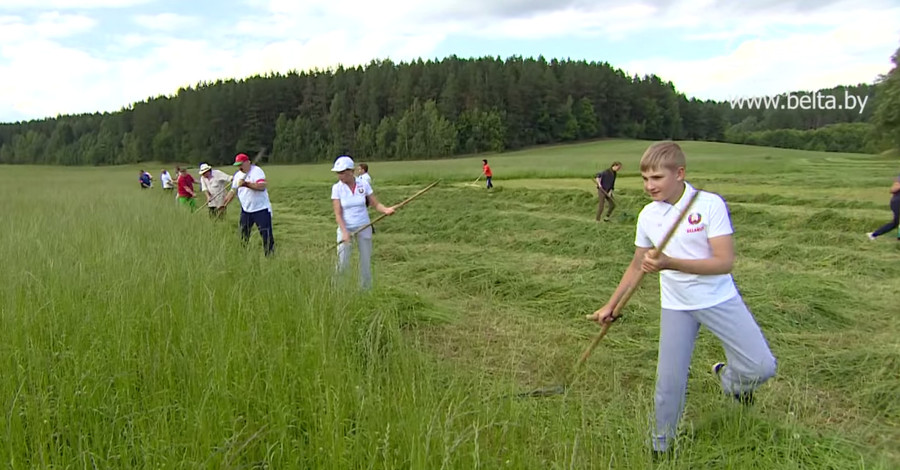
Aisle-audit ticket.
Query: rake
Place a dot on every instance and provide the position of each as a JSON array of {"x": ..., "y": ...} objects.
[
  {"x": 475, "y": 183},
  {"x": 406, "y": 201},
  {"x": 561, "y": 389}
]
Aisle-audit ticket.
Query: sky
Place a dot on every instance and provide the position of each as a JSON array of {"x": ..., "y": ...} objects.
[{"x": 82, "y": 56}]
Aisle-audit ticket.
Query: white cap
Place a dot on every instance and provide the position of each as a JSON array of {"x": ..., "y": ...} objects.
[
  {"x": 342, "y": 163},
  {"x": 204, "y": 168}
]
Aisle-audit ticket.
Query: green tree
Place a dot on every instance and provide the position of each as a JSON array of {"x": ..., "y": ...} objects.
[
  {"x": 164, "y": 144},
  {"x": 887, "y": 113}
]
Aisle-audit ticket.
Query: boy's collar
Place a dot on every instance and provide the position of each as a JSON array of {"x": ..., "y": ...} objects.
[{"x": 682, "y": 201}]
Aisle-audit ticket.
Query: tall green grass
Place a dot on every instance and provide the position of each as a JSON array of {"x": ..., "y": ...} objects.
[{"x": 138, "y": 335}]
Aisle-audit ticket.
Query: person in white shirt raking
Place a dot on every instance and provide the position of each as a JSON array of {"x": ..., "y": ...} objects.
[
  {"x": 350, "y": 197},
  {"x": 249, "y": 183}
]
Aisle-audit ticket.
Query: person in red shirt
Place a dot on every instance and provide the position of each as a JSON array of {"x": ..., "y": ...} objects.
[
  {"x": 186, "y": 189},
  {"x": 486, "y": 169}
]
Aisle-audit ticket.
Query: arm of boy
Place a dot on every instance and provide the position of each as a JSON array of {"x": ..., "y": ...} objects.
[
  {"x": 629, "y": 277},
  {"x": 721, "y": 261},
  {"x": 721, "y": 246}
]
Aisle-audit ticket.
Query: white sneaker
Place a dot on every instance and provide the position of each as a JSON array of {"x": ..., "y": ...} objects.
[
  {"x": 717, "y": 368},
  {"x": 871, "y": 237}
]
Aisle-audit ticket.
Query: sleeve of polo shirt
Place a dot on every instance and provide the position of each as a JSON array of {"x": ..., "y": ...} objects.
[
  {"x": 235, "y": 179},
  {"x": 719, "y": 218},
  {"x": 334, "y": 192},
  {"x": 259, "y": 174},
  {"x": 368, "y": 188},
  {"x": 641, "y": 239}
]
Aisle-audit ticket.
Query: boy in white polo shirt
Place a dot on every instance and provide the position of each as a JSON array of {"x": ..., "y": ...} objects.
[
  {"x": 252, "y": 190},
  {"x": 696, "y": 288},
  {"x": 350, "y": 197}
]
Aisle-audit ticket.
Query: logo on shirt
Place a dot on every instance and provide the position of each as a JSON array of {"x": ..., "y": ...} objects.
[
  {"x": 360, "y": 190},
  {"x": 694, "y": 218}
]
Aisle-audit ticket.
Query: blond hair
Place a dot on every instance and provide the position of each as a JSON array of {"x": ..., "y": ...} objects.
[{"x": 666, "y": 154}]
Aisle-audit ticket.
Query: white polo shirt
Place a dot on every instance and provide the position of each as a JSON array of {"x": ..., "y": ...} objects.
[
  {"x": 353, "y": 202},
  {"x": 708, "y": 218},
  {"x": 251, "y": 200}
]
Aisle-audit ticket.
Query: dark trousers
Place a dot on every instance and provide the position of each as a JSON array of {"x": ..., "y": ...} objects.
[
  {"x": 263, "y": 221},
  {"x": 895, "y": 208},
  {"x": 489, "y": 184},
  {"x": 603, "y": 199}
]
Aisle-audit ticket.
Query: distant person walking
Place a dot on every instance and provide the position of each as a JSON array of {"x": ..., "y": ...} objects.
[
  {"x": 214, "y": 183},
  {"x": 606, "y": 183},
  {"x": 349, "y": 198},
  {"x": 488, "y": 174},
  {"x": 364, "y": 173},
  {"x": 186, "y": 195},
  {"x": 166, "y": 180},
  {"x": 895, "y": 208},
  {"x": 249, "y": 183}
]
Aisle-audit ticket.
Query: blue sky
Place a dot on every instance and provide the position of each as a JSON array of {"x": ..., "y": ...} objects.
[{"x": 74, "y": 56}]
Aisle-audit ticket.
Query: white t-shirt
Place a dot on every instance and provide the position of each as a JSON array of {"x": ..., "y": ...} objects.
[
  {"x": 353, "y": 202},
  {"x": 365, "y": 177},
  {"x": 166, "y": 180},
  {"x": 216, "y": 185},
  {"x": 708, "y": 218},
  {"x": 251, "y": 200}
]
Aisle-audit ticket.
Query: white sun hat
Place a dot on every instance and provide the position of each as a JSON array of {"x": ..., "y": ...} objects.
[{"x": 342, "y": 163}]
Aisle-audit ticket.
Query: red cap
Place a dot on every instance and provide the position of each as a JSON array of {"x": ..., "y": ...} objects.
[{"x": 241, "y": 158}]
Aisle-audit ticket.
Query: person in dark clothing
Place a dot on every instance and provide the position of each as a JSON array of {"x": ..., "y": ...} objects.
[
  {"x": 895, "y": 208},
  {"x": 145, "y": 179},
  {"x": 606, "y": 183}
]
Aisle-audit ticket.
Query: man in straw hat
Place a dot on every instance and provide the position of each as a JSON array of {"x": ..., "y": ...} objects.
[{"x": 214, "y": 183}]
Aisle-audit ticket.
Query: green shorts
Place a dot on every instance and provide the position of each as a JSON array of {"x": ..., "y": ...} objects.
[{"x": 188, "y": 201}]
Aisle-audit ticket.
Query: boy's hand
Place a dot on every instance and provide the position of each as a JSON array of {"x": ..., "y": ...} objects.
[
  {"x": 654, "y": 261},
  {"x": 604, "y": 315}
]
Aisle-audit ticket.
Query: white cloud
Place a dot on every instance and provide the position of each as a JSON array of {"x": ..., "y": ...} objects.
[
  {"x": 772, "y": 48},
  {"x": 166, "y": 21},
  {"x": 14, "y": 29},
  {"x": 68, "y": 4},
  {"x": 838, "y": 55}
]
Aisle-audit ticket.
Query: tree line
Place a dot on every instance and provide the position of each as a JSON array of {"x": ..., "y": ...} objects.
[{"x": 423, "y": 109}]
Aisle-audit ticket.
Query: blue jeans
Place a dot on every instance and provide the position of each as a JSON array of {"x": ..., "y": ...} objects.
[
  {"x": 263, "y": 221},
  {"x": 895, "y": 208}
]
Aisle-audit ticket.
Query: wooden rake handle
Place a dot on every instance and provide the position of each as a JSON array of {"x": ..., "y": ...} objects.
[
  {"x": 637, "y": 282},
  {"x": 406, "y": 201}
]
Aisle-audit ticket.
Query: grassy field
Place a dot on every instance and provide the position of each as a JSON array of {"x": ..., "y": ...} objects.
[{"x": 138, "y": 335}]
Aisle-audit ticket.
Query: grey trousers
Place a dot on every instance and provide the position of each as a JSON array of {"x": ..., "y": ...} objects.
[
  {"x": 363, "y": 241},
  {"x": 750, "y": 363}
]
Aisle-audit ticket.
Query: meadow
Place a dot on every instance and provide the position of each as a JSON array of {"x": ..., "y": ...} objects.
[{"x": 139, "y": 335}]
